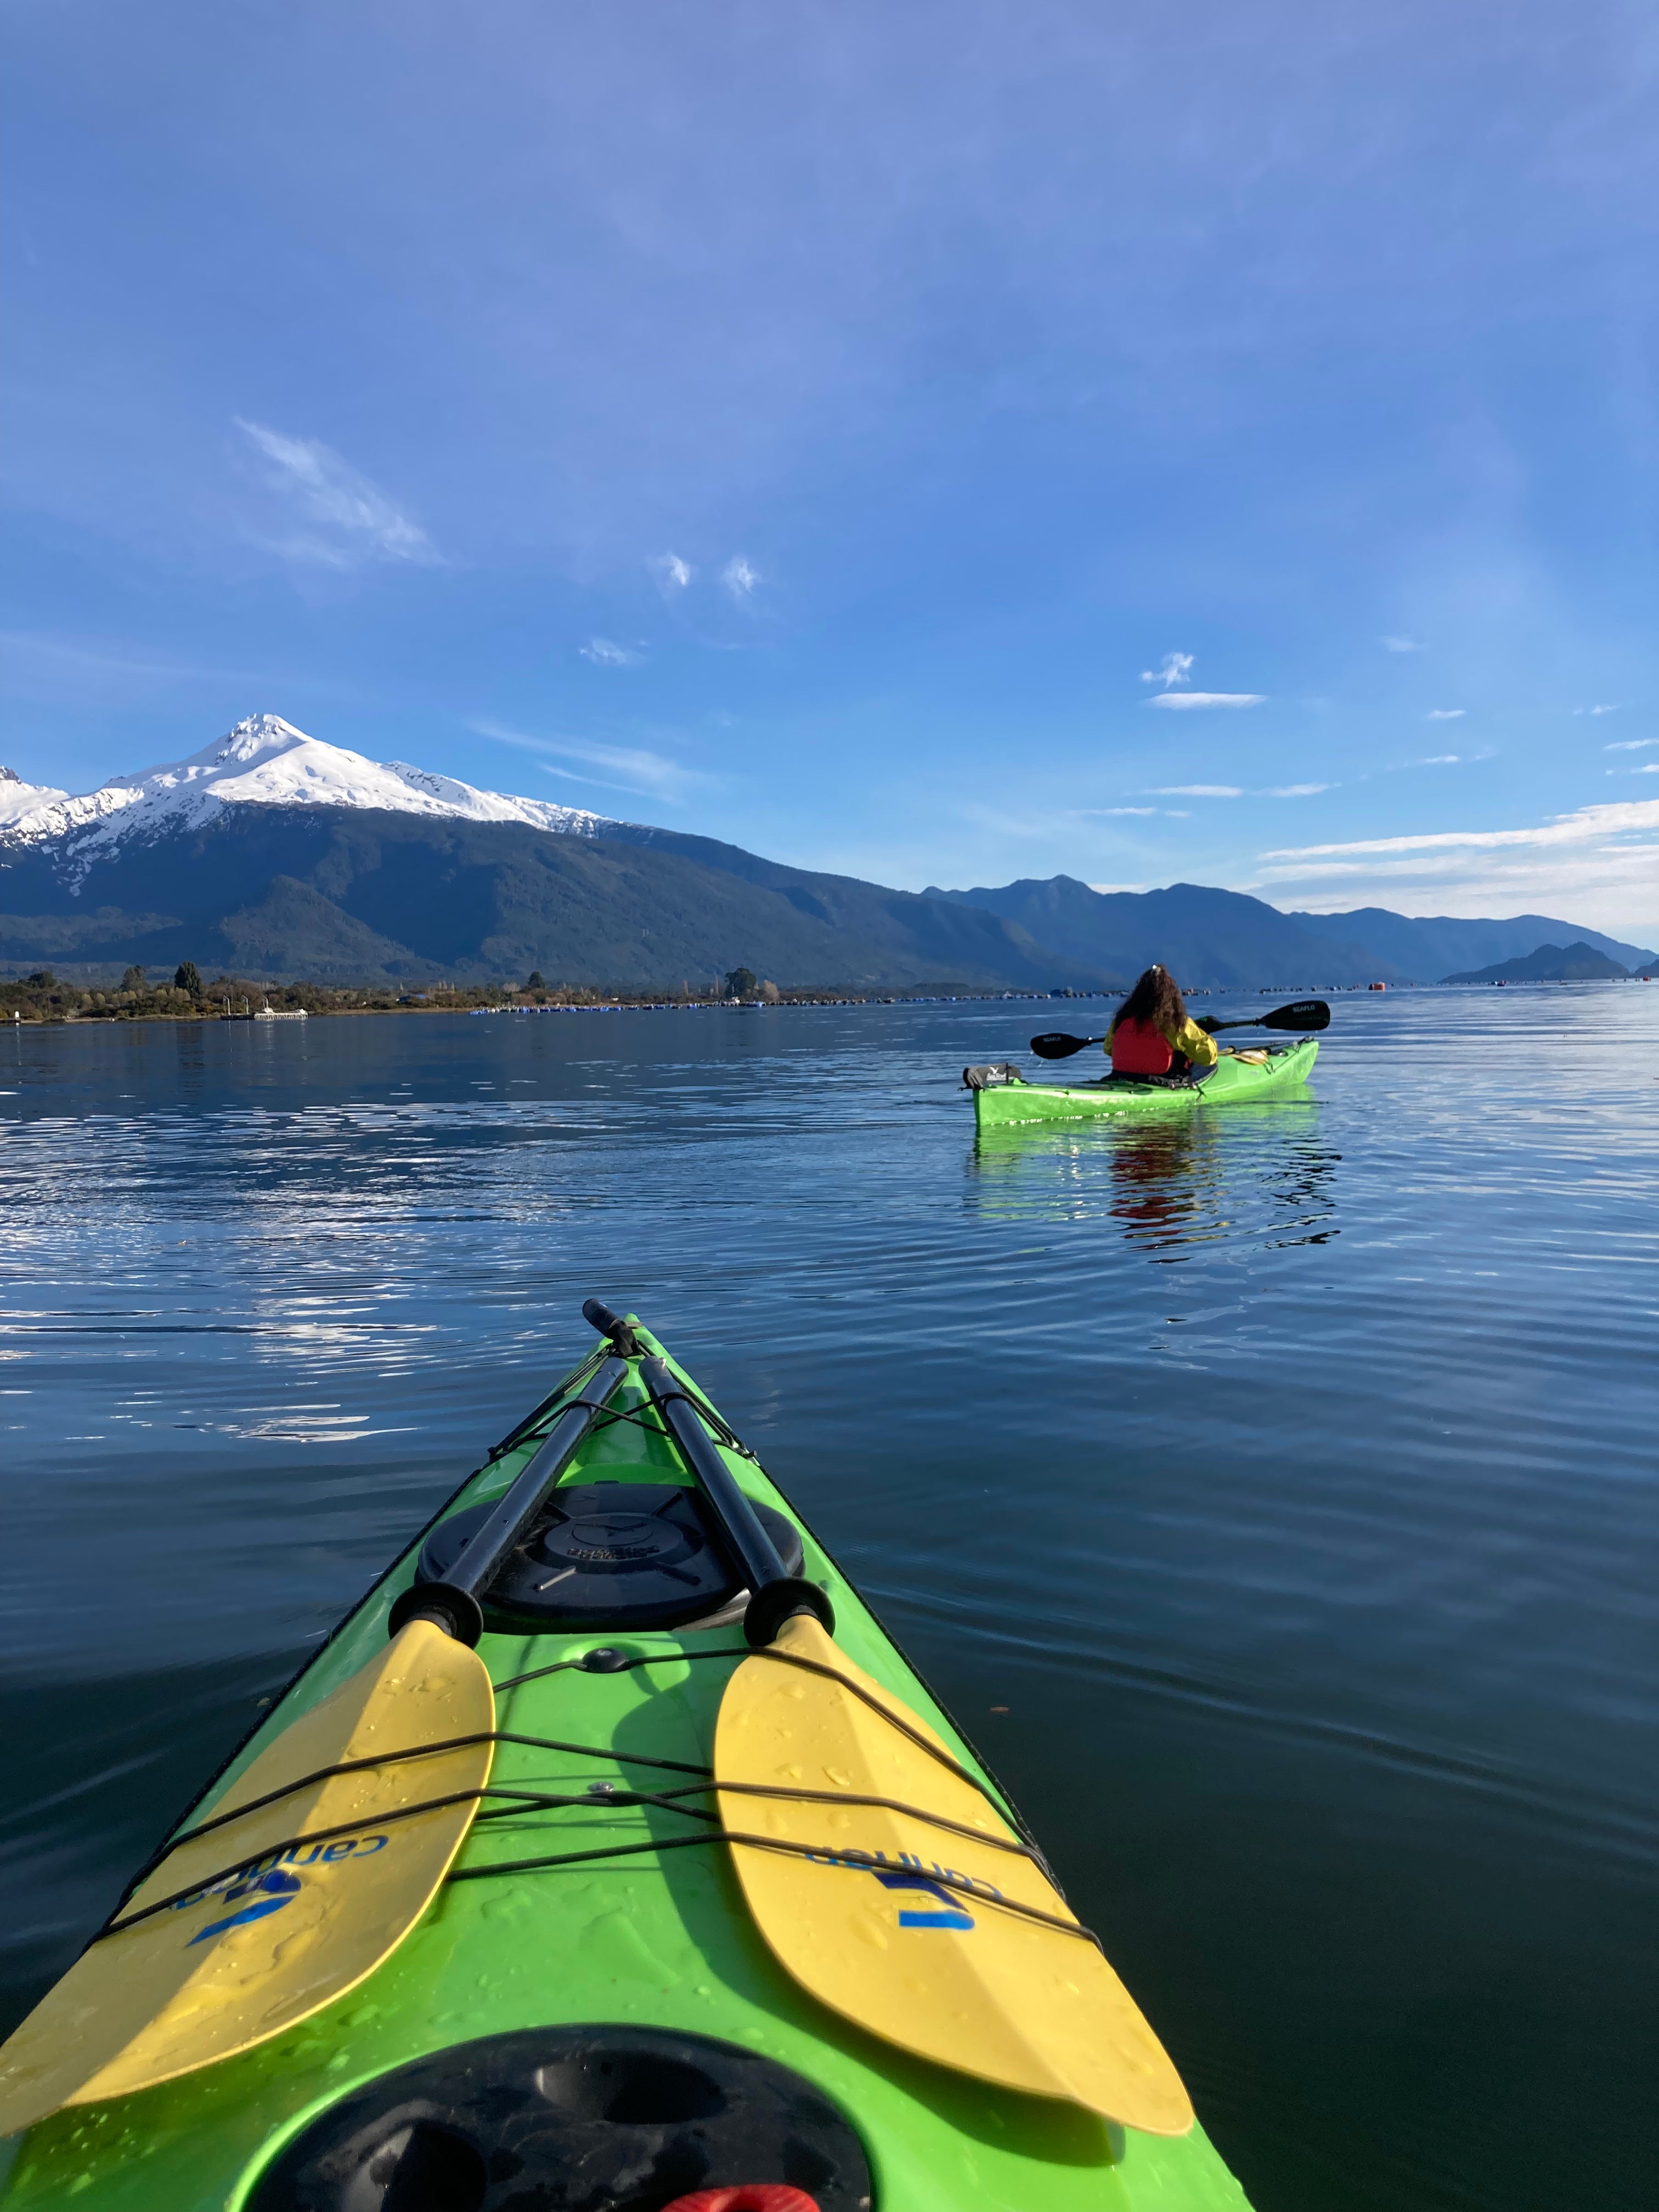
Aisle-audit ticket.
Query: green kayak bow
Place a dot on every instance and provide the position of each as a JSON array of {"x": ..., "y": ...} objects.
[{"x": 680, "y": 1891}]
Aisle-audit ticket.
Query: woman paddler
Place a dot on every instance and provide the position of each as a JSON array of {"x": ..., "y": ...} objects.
[{"x": 1153, "y": 1034}]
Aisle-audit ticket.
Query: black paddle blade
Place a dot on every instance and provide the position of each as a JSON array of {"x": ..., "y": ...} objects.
[
  {"x": 1055, "y": 1044},
  {"x": 1306, "y": 1014}
]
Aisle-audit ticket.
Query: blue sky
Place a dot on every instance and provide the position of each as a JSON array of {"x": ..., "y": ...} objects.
[{"x": 885, "y": 437}]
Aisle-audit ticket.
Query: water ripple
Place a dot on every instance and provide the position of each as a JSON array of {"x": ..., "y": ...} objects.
[{"x": 1271, "y": 1491}]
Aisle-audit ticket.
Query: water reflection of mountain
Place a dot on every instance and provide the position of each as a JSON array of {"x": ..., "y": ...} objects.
[{"x": 1257, "y": 1171}]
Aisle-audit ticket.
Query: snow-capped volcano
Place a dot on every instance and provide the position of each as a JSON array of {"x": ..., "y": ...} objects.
[
  {"x": 265, "y": 762},
  {"x": 17, "y": 797}
]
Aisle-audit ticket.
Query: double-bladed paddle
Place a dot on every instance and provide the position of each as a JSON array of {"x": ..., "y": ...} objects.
[
  {"x": 316, "y": 1862},
  {"x": 882, "y": 1873},
  {"x": 1306, "y": 1016},
  {"x": 887, "y": 1880}
]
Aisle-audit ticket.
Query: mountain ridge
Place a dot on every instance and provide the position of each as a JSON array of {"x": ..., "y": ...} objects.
[
  {"x": 1206, "y": 936},
  {"x": 270, "y": 849},
  {"x": 355, "y": 894},
  {"x": 1427, "y": 946}
]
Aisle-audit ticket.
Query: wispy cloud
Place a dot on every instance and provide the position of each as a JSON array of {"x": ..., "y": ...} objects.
[
  {"x": 997, "y": 818},
  {"x": 627, "y": 768},
  {"x": 605, "y": 652},
  {"x": 1583, "y": 825},
  {"x": 1404, "y": 645},
  {"x": 672, "y": 575},
  {"x": 739, "y": 579},
  {"x": 1208, "y": 699},
  {"x": 1446, "y": 714},
  {"x": 1438, "y": 760},
  {"x": 1174, "y": 668},
  {"x": 1096, "y": 812},
  {"x": 349, "y": 521},
  {"x": 1174, "y": 672},
  {"x": 1613, "y": 709},
  {"x": 1631, "y": 745},
  {"x": 1599, "y": 863},
  {"x": 27, "y": 645},
  {"x": 1225, "y": 791}
]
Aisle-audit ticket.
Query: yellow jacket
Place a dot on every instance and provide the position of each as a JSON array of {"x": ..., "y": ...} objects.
[{"x": 1200, "y": 1047}]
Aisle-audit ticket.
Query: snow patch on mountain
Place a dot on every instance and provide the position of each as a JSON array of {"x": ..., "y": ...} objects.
[
  {"x": 263, "y": 761},
  {"x": 17, "y": 797}
]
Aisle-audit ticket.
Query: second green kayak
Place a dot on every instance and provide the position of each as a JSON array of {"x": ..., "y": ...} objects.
[
  {"x": 999, "y": 1104},
  {"x": 549, "y": 1888}
]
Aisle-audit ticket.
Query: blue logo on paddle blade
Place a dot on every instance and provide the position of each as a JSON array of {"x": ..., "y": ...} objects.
[
  {"x": 269, "y": 1893},
  {"x": 952, "y": 1916}
]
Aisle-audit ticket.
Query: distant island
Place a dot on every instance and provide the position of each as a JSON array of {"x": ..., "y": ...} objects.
[
  {"x": 271, "y": 861},
  {"x": 1555, "y": 964}
]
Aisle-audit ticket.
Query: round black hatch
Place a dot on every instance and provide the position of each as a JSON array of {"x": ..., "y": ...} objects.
[
  {"x": 570, "y": 2119},
  {"x": 611, "y": 1555},
  {"x": 618, "y": 1539}
]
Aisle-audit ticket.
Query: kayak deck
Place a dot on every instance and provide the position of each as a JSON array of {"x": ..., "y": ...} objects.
[
  {"x": 590, "y": 1911},
  {"x": 1001, "y": 1104}
]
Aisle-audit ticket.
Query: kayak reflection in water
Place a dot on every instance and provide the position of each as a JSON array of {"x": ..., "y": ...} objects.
[
  {"x": 1153, "y": 1037},
  {"x": 1166, "y": 1182}
]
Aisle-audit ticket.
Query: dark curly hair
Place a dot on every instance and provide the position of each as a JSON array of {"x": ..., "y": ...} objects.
[{"x": 1156, "y": 999}]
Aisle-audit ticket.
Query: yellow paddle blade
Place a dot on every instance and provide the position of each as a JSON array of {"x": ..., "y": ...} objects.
[
  {"x": 269, "y": 1929},
  {"x": 903, "y": 1924}
]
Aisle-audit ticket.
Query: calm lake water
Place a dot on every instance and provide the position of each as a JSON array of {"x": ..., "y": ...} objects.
[{"x": 1288, "y": 1473}]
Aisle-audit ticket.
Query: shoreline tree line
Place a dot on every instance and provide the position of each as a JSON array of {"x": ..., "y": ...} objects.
[{"x": 42, "y": 996}]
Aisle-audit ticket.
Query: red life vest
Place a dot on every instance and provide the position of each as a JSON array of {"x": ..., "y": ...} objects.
[{"x": 1138, "y": 1048}]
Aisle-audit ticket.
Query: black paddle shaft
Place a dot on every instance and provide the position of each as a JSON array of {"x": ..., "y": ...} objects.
[
  {"x": 774, "y": 1594},
  {"x": 454, "y": 1604},
  {"x": 1306, "y": 1015},
  {"x": 613, "y": 1325}
]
